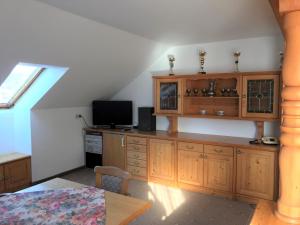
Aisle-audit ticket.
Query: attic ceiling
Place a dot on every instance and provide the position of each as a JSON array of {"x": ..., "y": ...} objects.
[{"x": 179, "y": 22}]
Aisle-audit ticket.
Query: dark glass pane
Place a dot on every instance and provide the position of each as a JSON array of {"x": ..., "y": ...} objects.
[
  {"x": 260, "y": 96},
  {"x": 168, "y": 96}
]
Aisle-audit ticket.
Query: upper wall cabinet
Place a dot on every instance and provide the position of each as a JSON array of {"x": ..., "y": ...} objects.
[
  {"x": 242, "y": 96},
  {"x": 168, "y": 96},
  {"x": 260, "y": 96}
]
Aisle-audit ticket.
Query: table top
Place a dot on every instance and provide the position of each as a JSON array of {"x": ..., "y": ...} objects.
[
  {"x": 12, "y": 156},
  {"x": 120, "y": 209}
]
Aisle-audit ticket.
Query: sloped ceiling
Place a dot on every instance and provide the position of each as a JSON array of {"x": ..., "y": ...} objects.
[
  {"x": 179, "y": 21},
  {"x": 101, "y": 59},
  {"x": 107, "y": 43}
]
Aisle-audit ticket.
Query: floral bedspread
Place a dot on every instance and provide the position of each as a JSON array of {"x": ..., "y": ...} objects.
[{"x": 84, "y": 206}]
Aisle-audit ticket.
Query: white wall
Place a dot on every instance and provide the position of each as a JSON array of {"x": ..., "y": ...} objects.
[
  {"x": 57, "y": 140},
  {"x": 257, "y": 54},
  {"x": 6, "y": 131}
]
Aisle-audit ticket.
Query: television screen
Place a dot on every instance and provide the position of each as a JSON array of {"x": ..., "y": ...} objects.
[{"x": 112, "y": 113}]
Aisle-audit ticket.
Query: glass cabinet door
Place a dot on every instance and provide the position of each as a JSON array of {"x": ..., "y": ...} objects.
[
  {"x": 168, "y": 96},
  {"x": 260, "y": 96}
]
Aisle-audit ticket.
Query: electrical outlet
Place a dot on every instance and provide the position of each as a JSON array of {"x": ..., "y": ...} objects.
[{"x": 77, "y": 116}]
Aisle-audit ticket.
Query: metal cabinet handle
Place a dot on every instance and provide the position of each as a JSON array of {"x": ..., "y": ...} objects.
[
  {"x": 239, "y": 152},
  {"x": 123, "y": 141},
  {"x": 218, "y": 150}
]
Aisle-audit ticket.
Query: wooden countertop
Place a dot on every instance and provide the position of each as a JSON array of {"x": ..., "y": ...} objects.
[
  {"x": 12, "y": 156},
  {"x": 193, "y": 137}
]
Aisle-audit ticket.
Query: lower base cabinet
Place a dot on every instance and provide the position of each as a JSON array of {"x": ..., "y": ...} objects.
[
  {"x": 2, "y": 184},
  {"x": 15, "y": 175},
  {"x": 190, "y": 167},
  {"x": 218, "y": 172},
  {"x": 256, "y": 173},
  {"x": 162, "y": 160},
  {"x": 248, "y": 174}
]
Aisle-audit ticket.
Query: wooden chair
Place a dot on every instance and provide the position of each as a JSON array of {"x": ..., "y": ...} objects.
[{"x": 112, "y": 179}]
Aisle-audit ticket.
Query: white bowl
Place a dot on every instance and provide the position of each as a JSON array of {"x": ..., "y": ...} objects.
[{"x": 220, "y": 113}]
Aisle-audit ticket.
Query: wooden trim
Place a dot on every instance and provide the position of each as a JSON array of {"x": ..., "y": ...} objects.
[
  {"x": 215, "y": 75},
  {"x": 260, "y": 127},
  {"x": 173, "y": 124},
  {"x": 286, "y": 6}
]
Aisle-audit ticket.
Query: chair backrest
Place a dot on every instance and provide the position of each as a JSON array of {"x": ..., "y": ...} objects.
[{"x": 112, "y": 179}]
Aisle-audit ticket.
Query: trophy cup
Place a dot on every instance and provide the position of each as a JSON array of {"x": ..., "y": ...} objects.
[
  {"x": 236, "y": 57},
  {"x": 171, "y": 63},
  {"x": 202, "y": 54},
  {"x": 212, "y": 86}
]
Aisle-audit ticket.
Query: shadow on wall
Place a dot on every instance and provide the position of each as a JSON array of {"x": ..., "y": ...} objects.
[{"x": 15, "y": 129}]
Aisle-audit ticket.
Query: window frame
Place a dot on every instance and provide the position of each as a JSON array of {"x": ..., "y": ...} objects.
[{"x": 19, "y": 94}]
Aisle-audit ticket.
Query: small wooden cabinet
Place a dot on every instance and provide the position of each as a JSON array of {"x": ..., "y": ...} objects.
[
  {"x": 190, "y": 167},
  {"x": 162, "y": 160},
  {"x": 137, "y": 157},
  {"x": 2, "y": 184},
  {"x": 15, "y": 172},
  {"x": 218, "y": 171},
  {"x": 114, "y": 150},
  {"x": 168, "y": 96},
  {"x": 242, "y": 96},
  {"x": 256, "y": 173},
  {"x": 260, "y": 96}
]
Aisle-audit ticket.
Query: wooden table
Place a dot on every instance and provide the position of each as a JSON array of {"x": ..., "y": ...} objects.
[{"x": 120, "y": 209}]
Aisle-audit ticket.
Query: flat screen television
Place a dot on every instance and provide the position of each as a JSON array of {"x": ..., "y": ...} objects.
[{"x": 112, "y": 113}]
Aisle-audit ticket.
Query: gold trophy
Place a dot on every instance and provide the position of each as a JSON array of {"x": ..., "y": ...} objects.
[
  {"x": 171, "y": 64},
  {"x": 236, "y": 57},
  {"x": 202, "y": 54}
]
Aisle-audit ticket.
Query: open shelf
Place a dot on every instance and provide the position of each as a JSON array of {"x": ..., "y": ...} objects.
[{"x": 213, "y": 97}]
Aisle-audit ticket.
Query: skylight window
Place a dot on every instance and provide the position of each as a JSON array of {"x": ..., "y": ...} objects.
[{"x": 18, "y": 81}]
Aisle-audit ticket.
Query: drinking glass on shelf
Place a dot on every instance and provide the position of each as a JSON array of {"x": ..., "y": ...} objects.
[
  {"x": 204, "y": 91},
  {"x": 188, "y": 92},
  {"x": 223, "y": 90},
  {"x": 228, "y": 90},
  {"x": 234, "y": 92},
  {"x": 196, "y": 91}
]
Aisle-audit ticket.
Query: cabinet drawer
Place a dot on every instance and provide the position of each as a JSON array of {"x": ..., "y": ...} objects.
[
  {"x": 136, "y": 140},
  {"x": 136, "y": 162},
  {"x": 215, "y": 149},
  {"x": 190, "y": 146},
  {"x": 136, "y": 155},
  {"x": 137, "y": 171},
  {"x": 134, "y": 147}
]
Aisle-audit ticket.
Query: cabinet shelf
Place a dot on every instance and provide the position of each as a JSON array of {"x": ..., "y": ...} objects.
[{"x": 213, "y": 97}]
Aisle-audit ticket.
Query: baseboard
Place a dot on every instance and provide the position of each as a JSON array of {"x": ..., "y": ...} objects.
[{"x": 57, "y": 175}]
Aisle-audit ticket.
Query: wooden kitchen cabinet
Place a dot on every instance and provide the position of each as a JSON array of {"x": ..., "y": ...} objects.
[
  {"x": 162, "y": 160},
  {"x": 137, "y": 157},
  {"x": 218, "y": 172},
  {"x": 17, "y": 174},
  {"x": 260, "y": 96},
  {"x": 114, "y": 150},
  {"x": 2, "y": 185},
  {"x": 190, "y": 167},
  {"x": 168, "y": 96},
  {"x": 256, "y": 173},
  {"x": 15, "y": 171}
]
